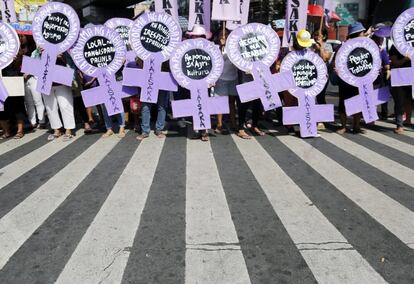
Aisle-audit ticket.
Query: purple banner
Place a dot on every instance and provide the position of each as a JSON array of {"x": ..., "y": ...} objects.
[
  {"x": 167, "y": 6},
  {"x": 200, "y": 14},
  {"x": 296, "y": 17},
  {"x": 8, "y": 13}
]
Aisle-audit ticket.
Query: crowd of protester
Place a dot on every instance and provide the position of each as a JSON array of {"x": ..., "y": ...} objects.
[{"x": 63, "y": 110}]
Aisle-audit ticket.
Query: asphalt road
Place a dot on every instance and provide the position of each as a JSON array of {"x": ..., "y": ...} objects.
[{"x": 274, "y": 209}]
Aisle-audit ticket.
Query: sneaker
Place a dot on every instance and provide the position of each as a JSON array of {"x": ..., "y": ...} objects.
[{"x": 399, "y": 130}]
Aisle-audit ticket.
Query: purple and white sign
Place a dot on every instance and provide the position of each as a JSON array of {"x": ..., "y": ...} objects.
[
  {"x": 167, "y": 6},
  {"x": 311, "y": 76},
  {"x": 226, "y": 10},
  {"x": 244, "y": 16},
  {"x": 296, "y": 17},
  {"x": 55, "y": 29},
  {"x": 254, "y": 48},
  {"x": 358, "y": 63},
  {"x": 9, "y": 47},
  {"x": 8, "y": 12},
  {"x": 196, "y": 65},
  {"x": 123, "y": 27},
  {"x": 200, "y": 14},
  {"x": 403, "y": 37},
  {"x": 154, "y": 36},
  {"x": 100, "y": 52}
]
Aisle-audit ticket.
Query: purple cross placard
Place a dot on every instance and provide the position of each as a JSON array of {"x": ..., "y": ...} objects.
[
  {"x": 311, "y": 76},
  {"x": 154, "y": 36},
  {"x": 55, "y": 30},
  {"x": 254, "y": 48},
  {"x": 196, "y": 65},
  {"x": 100, "y": 52},
  {"x": 358, "y": 63},
  {"x": 9, "y": 47},
  {"x": 403, "y": 37}
]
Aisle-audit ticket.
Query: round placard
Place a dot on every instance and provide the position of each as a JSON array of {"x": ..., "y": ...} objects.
[
  {"x": 123, "y": 27},
  {"x": 56, "y": 27},
  {"x": 403, "y": 33},
  {"x": 98, "y": 48},
  {"x": 252, "y": 43},
  {"x": 358, "y": 61},
  {"x": 195, "y": 61},
  {"x": 9, "y": 44},
  {"x": 309, "y": 71},
  {"x": 156, "y": 34}
]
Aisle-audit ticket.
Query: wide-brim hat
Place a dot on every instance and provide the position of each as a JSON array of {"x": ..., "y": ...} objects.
[
  {"x": 356, "y": 28},
  {"x": 382, "y": 30},
  {"x": 200, "y": 31},
  {"x": 304, "y": 38}
]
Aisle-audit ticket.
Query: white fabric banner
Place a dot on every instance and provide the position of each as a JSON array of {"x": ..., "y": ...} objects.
[
  {"x": 244, "y": 16},
  {"x": 226, "y": 10}
]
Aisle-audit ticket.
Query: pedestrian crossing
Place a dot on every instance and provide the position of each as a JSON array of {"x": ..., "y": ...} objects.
[{"x": 273, "y": 209}]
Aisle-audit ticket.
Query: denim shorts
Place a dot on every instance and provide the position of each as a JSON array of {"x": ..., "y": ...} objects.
[{"x": 225, "y": 88}]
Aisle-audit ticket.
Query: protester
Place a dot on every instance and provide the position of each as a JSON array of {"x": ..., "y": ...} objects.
[
  {"x": 226, "y": 85},
  {"x": 60, "y": 100},
  {"x": 347, "y": 91}
]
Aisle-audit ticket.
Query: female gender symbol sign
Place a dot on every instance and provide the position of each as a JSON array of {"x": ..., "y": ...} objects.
[
  {"x": 123, "y": 27},
  {"x": 100, "y": 52},
  {"x": 196, "y": 65},
  {"x": 403, "y": 36},
  {"x": 154, "y": 36},
  {"x": 253, "y": 48},
  {"x": 358, "y": 63},
  {"x": 310, "y": 75},
  {"x": 55, "y": 29},
  {"x": 9, "y": 47}
]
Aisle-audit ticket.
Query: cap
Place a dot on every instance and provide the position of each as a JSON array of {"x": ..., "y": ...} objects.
[{"x": 304, "y": 38}]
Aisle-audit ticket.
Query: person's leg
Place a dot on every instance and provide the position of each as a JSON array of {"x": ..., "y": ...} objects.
[
  {"x": 122, "y": 123},
  {"x": 342, "y": 113},
  {"x": 163, "y": 101},
  {"x": 145, "y": 121},
  {"x": 108, "y": 122},
  {"x": 357, "y": 124},
  {"x": 38, "y": 101},
  {"x": 52, "y": 110},
  {"x": 30, "y": 105},
  {"x": 242, "y": 110},
  {"x": 257, "y": 110},
  {"x": 232, "y": 102},
  {"x": 65, "y": 102},
  {"x": 399, "y": 98}
]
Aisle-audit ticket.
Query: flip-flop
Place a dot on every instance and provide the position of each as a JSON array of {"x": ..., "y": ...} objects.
[
  {"x": 244, "y": 136},
  {"x": 4, "y": 136},
  {"x": 18, "y": 136}
]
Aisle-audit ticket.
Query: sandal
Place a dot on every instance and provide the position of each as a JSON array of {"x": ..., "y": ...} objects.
[
  {"x": 142, "y": 136},
  {"x": 19, "y": 135},
  {"x": 218, "y": 130},
  {"x": 5, "y": 136},
  {"x": 257, "y": 131},
  {"x": 204, "y": 137},
  {"x": 244, "y": 135},
  {"x": 67, "y": 137},
  {"x": 52, "y": 137},
  {"x": 359, "y": 131},
  {"x": 121, "y": 134},
  {"x": 159, "y": 134},
  {"x": 108, "y": 133},
  {"x": 341, "y": 131}
]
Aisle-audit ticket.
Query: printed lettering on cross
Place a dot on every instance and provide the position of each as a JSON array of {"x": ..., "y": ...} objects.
[
  {"x": 55, "y": 30},
  {"x": 154, "y": 36},
  {"x": 9, "y": 48},
  {"x": 253, "y": 48},
  {"x": 311, "y": 76},
  {"x": 403, "y": 36},
  {"x": 196, "y": 65},
  {"x": 100, "y": 52},
  {"x": 358, "y": 63}
]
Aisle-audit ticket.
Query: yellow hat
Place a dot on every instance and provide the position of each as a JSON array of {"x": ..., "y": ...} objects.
[{"x": 304, "y": 38}]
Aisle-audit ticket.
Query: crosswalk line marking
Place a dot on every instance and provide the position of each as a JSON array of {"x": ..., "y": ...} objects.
[
  {"x": 213, "y": 252},
  {"x": 14, "y": 170},
  {"x": 20, "y": 223},
  {"x": 382, "y": 163},
  {"x": 391, "y": 142},
  {"x": 12, "y": 144},
  {"x": 409, "y": 132},
  {"x": 102, "y": 254},
  {"x": 326, "y": 251},
  {"x": 392, "y": 215}
]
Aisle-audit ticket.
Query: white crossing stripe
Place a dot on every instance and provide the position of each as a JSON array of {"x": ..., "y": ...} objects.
[
  {"x": 392, "y": 215},
  {"x": 390, "y": 142},
  {"x": 12, "y": 144},
  {"x": 20, "y": 223},
  {"x": 213, "y": 252},
  {"x": 388, "y": 166},
  {"x": 14, "y": 170},
  {"x": 102, "y": 254},
  {"x": 326, "y": 251}
]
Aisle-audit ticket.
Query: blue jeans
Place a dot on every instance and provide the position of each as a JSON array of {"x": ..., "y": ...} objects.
[
  {"x": 163, "y": 100},
  {"x": 108, "y": 119}
]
